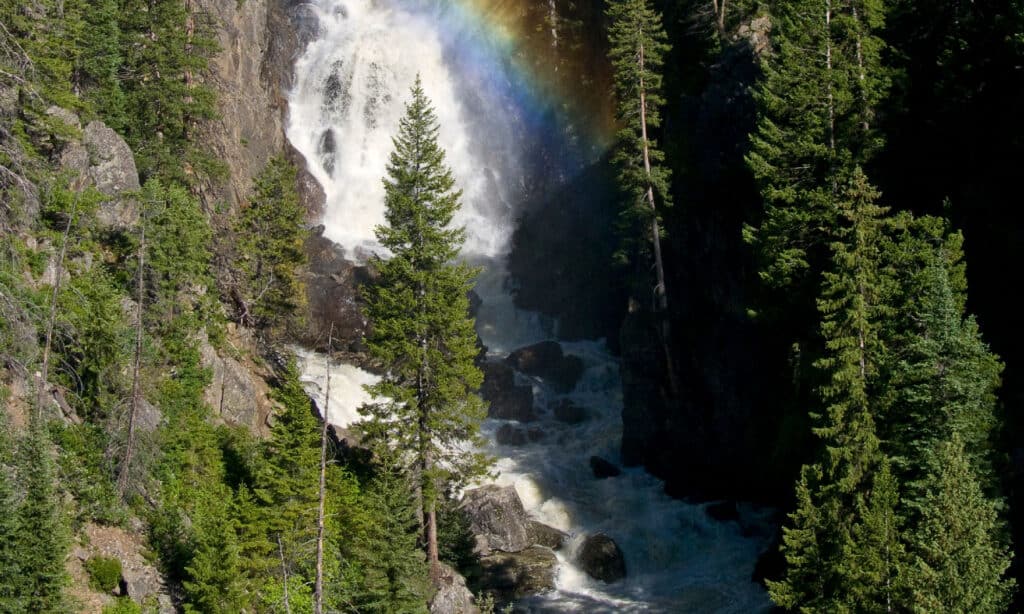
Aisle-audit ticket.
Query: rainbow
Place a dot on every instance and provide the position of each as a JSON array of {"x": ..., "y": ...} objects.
[{"x": 554, "y": 69}]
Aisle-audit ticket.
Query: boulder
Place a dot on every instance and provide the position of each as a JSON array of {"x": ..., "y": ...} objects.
[
  {"x": 512, "y": 576},
  {"x": 452, "y": 596},
  {"x": 601, "y": 558},
  {"x": 603, "y": 468},
  {"x": 111, "y": 163},
  {"x": 508, "y": 401},
  {"x": 497, "y": 518},
  {"x": 546, "y": 535},
  {"x": 235, "y": 393},
  {"x": 102, "y": 160},
  {"x": 534, "y": 433},
  {"x": 547, "y": 361},
  {"x": 570, "y": 413},
  {"x": 511, "y": 435}
]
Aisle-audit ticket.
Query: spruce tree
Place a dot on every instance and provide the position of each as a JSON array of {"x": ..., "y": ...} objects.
[
  {"x": 815, "y": 109},
  {"x": 943, "y": 383},
  {"x": 638, "y": 46},
  {"x": 11, "y": 599},
  {"x": 427, "y": 415},
  {"x": 42, "y": 542},
  {"x": 821, "y": 545},
  {"x": 270, "y": 234},
  {"x": 878, "y": 558},
  {"x": 385, "y": 568},
  {"x": 960, "y": 558}
]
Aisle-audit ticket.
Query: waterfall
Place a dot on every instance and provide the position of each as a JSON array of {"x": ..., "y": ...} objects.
[{"x": 351, "y": 85}]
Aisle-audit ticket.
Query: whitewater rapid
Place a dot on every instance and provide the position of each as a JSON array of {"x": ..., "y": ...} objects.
[{"x": 351, "y": 85}]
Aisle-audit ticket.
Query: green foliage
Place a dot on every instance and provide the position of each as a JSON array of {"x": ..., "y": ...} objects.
[
  {"x": 165, "y": 49},
  {"x": 11, "y": 598},
  {"x": 427, "y": 408},
  {"x": 122, "y": 605},
  {"x": 638, "y": 45},
  {"x": 385, "y": 570},
  {"x": 42, "y": 541},
  {"x": 104, "y": 573},
  {"x": 943, "y": 383},
  {"x": 821, "y": 575},
  {"x": 95, "y": 340},
  {"x": 85, "y": 473},
  {"x": 270, "y": 234},
  {"x": 178, "y": 255},
  {"x": 877, "y": 554},
  {"x": 816, "y": 105},
  {"x": 959, "y": 557}
]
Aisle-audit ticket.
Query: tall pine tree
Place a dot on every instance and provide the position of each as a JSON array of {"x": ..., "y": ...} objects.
[
  {"x": 427, "y": 414},
  {"x": 638, "y": 46},
  {"x": 821, "y": 547},
  {"x": 960, "y": 557}
]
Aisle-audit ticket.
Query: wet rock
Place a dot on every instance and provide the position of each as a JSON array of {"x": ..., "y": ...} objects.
[
  {"x": 534, "y": 433},
  {"x": 497, "y": 518},
  {"x": 508, "y": 401},
  {"x": 603, "y": 469},
  {"x": 512, "y": 576},
  {"x": 601, "y": 558},
  {"x": 547, "y": 361},
  {"x": 546, "y": 535},
  {"x": 723, "y": 511},
  {"x": 452, "y": 596},
  {"x": 570, "y": 413},
  {"x": 510, "y": 435},
  {"x": 333, "y": 292}
]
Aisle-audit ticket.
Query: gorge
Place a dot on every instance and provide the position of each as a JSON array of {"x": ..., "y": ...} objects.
[{"x": 351, "y": 84}]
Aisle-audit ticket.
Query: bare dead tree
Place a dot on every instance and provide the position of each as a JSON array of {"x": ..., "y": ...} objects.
[
  {"x": 126, "y": 463},
  {"x": 43, "y": 375},
  {"x": 284, "y": 574}
]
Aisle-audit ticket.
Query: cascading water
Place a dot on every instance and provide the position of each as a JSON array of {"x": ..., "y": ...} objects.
[{"x": 351, "y": 85}]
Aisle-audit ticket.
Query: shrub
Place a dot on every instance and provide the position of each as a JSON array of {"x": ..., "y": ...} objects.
[{"x": 104, "y": 573}]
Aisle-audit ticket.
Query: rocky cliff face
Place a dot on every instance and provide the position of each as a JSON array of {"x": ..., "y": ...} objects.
[{"x": 249, "y": 74}]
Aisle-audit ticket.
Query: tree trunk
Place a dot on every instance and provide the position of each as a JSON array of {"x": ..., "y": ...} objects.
[
  {"x": 862, "y": 77},
  {"x": 318, "y": 591},
  {"x": 660, "y": 293},
  {"x": 44, "y": 370},
  {"x": 432, "y": 555},
  {"x": 284, "y": 575},
  {"x": 126, "y": 464}
]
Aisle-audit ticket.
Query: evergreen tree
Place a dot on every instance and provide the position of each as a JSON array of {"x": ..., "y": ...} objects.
[
  {"x": 287, "y": 485},
  {"x": 270, "y": 234},
  {"x": 959, "y": 556},
  {"x": 816, "y": 104},
  {"x": 178, "y": 239},
  {"x": 11, "y": 600},
  {"x": 42, "y": 542},
  {"x": 943, "y": 383},
  {"x": 385, "y": 569},
  {"x": 638, "y": 46},
  {"x": 428, "y": 413},
  {"x": 877, "y": 555},
  {"x": 162, "y": 51},
  {"x": 820, "y": 547}
]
